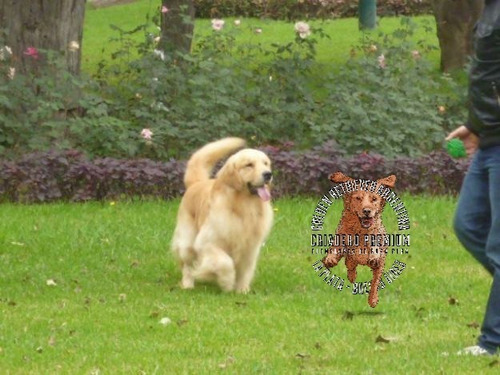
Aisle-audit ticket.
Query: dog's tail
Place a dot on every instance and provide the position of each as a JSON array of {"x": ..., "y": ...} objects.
[{"x": 201, "y": 163}]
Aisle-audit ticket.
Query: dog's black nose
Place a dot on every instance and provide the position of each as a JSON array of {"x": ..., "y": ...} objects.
[
  {"x": 267, "y": 176},
  {"x": 367, "y": 211}
]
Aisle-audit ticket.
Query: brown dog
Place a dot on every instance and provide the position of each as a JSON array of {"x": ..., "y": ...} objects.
[{"x": 362, "y": 216}]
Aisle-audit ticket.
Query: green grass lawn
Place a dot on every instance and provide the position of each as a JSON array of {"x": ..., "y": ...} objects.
[
  {"x": 83, "y": 288},
  {"x": 343, "y": 33}
]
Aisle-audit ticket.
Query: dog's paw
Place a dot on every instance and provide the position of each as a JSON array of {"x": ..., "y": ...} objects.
[
  {"x": 373, "y": 301},
  {"x": 374, "y": 261},
  {"x": 187, "y": 284},
  {"x": 329, "y": 261},
  {"x": 243, "y": 290}
]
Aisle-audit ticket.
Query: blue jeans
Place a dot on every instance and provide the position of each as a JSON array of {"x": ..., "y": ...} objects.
[{"x": 477, "y": 226}]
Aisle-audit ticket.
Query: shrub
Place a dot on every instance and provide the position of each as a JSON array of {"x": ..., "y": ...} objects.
[
  {"x": 268, "y": 95},
  {"x": 293, "y": 9},
  {"x": 70, "y": 176}
]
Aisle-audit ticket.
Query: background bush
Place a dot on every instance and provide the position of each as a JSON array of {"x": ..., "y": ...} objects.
[
  {"x": 269, "y": 95},
  {"x": 71, "y": 176},
  {"x": 293, "y": 9}
]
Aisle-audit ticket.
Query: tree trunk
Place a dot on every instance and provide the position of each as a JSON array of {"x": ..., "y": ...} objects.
[
  {"x": 455, "y": 20},
  {"x": 33, "y": 25},
  {"x": 177, "y": 25}
]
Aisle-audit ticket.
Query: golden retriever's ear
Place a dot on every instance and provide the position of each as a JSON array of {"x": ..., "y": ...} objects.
[
  {"x": 388, "y": 181},
  {"x": 339, "y": 177},
  {"x": 229, "y": 175}
]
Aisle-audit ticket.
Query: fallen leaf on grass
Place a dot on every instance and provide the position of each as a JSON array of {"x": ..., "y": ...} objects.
[
  {"x": 473, "y": 325},
  {"x": 182, "y": 322},
  {"x": 453, "y": 301},
  {"x": 52, "y": 341},
  {"x": 227, "y": 362},
  {"x": 51, "y": 282},
  {"x": 384, "y": 340},
  {"x": 495, "y": 363},
  {"x": 302, "y": 355},
  {"x": 348, "y": 315}
]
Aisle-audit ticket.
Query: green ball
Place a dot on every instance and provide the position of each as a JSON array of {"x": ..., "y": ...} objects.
[{"x": 456, "y": 148}]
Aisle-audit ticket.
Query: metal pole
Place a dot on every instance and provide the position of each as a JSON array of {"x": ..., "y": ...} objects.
[{"x": 367, "y": 14}]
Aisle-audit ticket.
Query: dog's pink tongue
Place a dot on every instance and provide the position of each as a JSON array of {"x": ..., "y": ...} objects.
[{"x": 264, "y": 193}]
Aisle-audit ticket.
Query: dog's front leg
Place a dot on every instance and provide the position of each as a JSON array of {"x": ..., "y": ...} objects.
[
  {"x": 377, "y": 275},
  {"x": 351, "y": 265},
  {"x": 333, "y": 257},
  {"x": 216, "y": 262},
  {"x": 245, "y": 270}
]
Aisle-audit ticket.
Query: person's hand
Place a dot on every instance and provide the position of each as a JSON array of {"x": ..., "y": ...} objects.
[{"x": 470, "y": 140}]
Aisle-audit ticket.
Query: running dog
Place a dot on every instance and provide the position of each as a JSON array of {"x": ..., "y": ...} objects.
[
  {"x": 362, "y": 215},
  {"x": 223, "y": 221}
]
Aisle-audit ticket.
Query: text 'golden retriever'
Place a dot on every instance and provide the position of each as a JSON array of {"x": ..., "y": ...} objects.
[{"x": 223, "y": 221}]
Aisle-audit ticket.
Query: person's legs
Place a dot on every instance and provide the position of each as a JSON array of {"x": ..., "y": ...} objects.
[
  {"x": 473, "y": 215},
  {"x": 490, "y": 330}
]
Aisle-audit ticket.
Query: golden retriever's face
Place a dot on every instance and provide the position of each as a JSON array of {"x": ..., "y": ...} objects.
[{"x": 249, "y": 170}]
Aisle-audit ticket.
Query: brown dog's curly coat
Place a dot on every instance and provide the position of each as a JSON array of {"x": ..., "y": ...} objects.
[{"x": 362, "y": 215}]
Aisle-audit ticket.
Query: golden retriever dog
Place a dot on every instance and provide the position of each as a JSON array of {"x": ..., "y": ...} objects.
[
  {"x": 223, "y": 221},
  {"x": 362, "y": 216}
]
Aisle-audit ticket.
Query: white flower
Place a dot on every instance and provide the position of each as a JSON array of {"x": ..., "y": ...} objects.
[
  {"x": 237, "y": 22},
  {"x": 217, "y": 24},
  {"x": 74, "y": 46},
  {"x": 51, "y": 282},
  {"x": 4, "y": 52},
  {"x": 160, "y": 54},
  {"x": 157, "y": 39},
  {"x": 381, "y": 61},
  {"x": 302, "y": 29},
  {"x": 12, "y": 72},
  {"x": 258, "y": 30},
  {"x": 146, "y": 134}
]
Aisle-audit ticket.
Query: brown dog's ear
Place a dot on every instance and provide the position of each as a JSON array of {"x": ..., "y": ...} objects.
[
  {"x": 339, "y": 177},
  {"x": 388, "y": 181}
]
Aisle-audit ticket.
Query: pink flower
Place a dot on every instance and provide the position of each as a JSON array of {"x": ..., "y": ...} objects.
[
  {"x": 302, "y": 29},
  {"x": 381, "y": 61},
  {"x": 217, "y": 24},
  {"x": 164, "y": 9},
  {"x": 31, "y": 51},
  {"x": 146, "y": 134}
]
